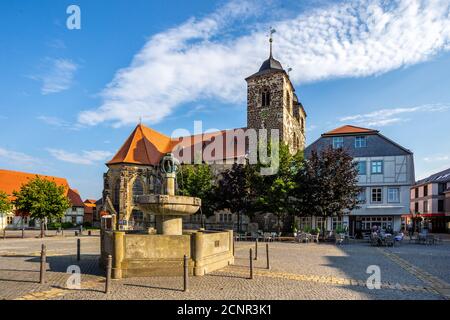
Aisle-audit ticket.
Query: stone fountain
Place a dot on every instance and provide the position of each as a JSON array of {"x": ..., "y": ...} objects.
[{"x": 162, "y": 254}]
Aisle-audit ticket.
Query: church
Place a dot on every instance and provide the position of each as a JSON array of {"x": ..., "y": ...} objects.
[{"x": 272, "y": 104}]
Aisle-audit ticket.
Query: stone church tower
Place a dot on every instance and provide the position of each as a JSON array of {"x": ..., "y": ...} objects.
[{"x": 273, "y": 104}]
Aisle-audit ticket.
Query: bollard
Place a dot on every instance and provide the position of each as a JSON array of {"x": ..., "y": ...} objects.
[
  {"x": 43, "y": 263},
  {"x": 251, "y": 264},
  {"x": 4, "y": 234},
  {"x": 23, "y": 232},
  {"x": 267, "y": 256},
  {"x": 185, "y": 274},
  {"x": 78, "y": 249},
  {"x": 62, "y": 232},
  {"x": 89, "y": 233},
  {"x": 108, "y": 274},
  {"x": 256, "y": 249}
]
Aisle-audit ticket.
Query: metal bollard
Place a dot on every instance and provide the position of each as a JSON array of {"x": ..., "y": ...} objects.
[
  {"x": 267, "y": 256},
  {"x": 43, "y": 263},
  {"x": 78, "y": 249},
  {"x": 251, "y": 264},
  {"x": 4, "y": 234},
  {"x": 23, "y": 233},
  {"x": 108, "y": 274},
  {"x": 185, "y": 274},
  {"x": 256, "y": 249}
]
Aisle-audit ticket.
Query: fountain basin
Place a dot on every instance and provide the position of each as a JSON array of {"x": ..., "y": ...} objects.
[{"x": 168, "y": 205}]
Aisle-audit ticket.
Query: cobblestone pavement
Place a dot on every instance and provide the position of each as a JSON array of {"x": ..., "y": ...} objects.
[{"x": 298, "y": 271}]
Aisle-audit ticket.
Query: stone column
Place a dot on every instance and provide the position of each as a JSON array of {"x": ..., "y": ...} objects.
[
  {"x": 118, "y": 254},
  {"x": 169, "y": 225}
]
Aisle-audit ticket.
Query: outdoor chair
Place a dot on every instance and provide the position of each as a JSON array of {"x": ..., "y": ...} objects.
[
  {"x": 374, "y": 240},
  {"x": 429, "y": 239},
  {"x": 302, "y": 237},
  {"x": 267, "y": 237},
  {"x": 388, "y": 241},
  {"x": 314, "y": 238},
  {"x": 437, "y": 240},
  {"x": 339, "y": 239}
]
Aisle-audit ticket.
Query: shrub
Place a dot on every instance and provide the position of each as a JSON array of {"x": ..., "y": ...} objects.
[{"x": 67, "y": 225}]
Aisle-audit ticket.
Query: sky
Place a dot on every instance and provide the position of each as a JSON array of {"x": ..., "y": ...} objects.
[{"x": 70, "y": 97}]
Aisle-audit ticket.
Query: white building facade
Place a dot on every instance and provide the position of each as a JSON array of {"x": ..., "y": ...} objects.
[{"x": 386, "y": 174}]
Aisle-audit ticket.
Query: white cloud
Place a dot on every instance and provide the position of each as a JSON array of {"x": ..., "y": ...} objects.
[
  {"x": 54, "y": 121},
  {"x": 385, "y": 117},
  {"x": 57, "y": 77},
  {"x": 195, "y": 60},
  {"x": 59, "y": 123},
  {"x": 437, "y": 158},
  {"x": 85, "y": 158},
  {"x": 14, "y": 158}
]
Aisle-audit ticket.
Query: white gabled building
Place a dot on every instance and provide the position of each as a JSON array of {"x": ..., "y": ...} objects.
[{"x": 12, "y": 181}]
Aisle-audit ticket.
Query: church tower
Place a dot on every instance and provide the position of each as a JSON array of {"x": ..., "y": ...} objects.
[{"x": 273, "y": 104}]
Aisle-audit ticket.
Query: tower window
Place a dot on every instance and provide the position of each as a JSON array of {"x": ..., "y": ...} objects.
[
  {"x": 138, "y": 188},
  {"x": 265, "y": 98}
]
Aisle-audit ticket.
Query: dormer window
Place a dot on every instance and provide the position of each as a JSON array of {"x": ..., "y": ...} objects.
[
  {"x": 360, "y": 142},
  {"x": 338, "y": 142},
  {"x": 265, "y": 98}
]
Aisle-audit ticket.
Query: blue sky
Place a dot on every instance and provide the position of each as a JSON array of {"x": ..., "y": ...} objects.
[{"x": 69, "y": 98}]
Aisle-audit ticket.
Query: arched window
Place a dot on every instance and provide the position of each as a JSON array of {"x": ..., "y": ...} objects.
[
  {"x": 138, "y": 188},
  {"x": 265, "y": 98},
  {"x": 289, "y": 103},
  {"x": 302, "y": 121}
]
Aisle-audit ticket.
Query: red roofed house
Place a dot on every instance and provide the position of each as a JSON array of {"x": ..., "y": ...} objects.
[
  {"x": 90, "y": 211},
  {"x": 12, "y": 181}
]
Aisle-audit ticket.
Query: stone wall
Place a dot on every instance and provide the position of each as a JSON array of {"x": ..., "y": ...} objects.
[
  {"x": 282, "y": 113},
  {"x": 137, "y": 255},
  {"x": 123, "y": 177}
]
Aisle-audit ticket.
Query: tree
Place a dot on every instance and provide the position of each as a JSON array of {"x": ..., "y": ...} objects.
[
  {"x": 198, "y": 181},
  {"x": 274, "y": 193},
  {"x": 5, "y": 204},
  {"x": 42, "y": 199},
  {"x": 327, "y": 186},
  {"x": 234, "y": 190}
]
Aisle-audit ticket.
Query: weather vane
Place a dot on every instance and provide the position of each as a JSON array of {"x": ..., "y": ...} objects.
[
  {"x": 271, "y": 32},
  {"x": 289, "y": 69}
]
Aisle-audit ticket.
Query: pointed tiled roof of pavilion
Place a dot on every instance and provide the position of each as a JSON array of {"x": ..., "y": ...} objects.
[
  {"x": 348, "y": 129},
  {"x": 144, "y": 146}
]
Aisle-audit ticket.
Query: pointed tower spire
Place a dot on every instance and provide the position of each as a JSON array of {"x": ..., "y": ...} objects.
[{"x": 271, "y": 32}]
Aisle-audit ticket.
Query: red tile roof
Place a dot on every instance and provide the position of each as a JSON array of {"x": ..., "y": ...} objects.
[
  {"x": 75, "y": 198},
  {"x": 13, "y": 180},
  {"x": 146, "y": 146},
  {"x": 348, "y": 129}
]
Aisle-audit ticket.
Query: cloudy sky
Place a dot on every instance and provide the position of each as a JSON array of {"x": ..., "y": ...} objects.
[{"x": 69, "y": 98}]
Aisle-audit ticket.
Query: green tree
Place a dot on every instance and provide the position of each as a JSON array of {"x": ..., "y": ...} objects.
[
  {"x": 43, "y": 200},
  {"x": 327, "y": 185},
  {"x": 5, "y": 204},
  {"x": 234, "y": 190},
  {"x": 275, "y": 193},
  {"x": 198, "y": 181}
]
